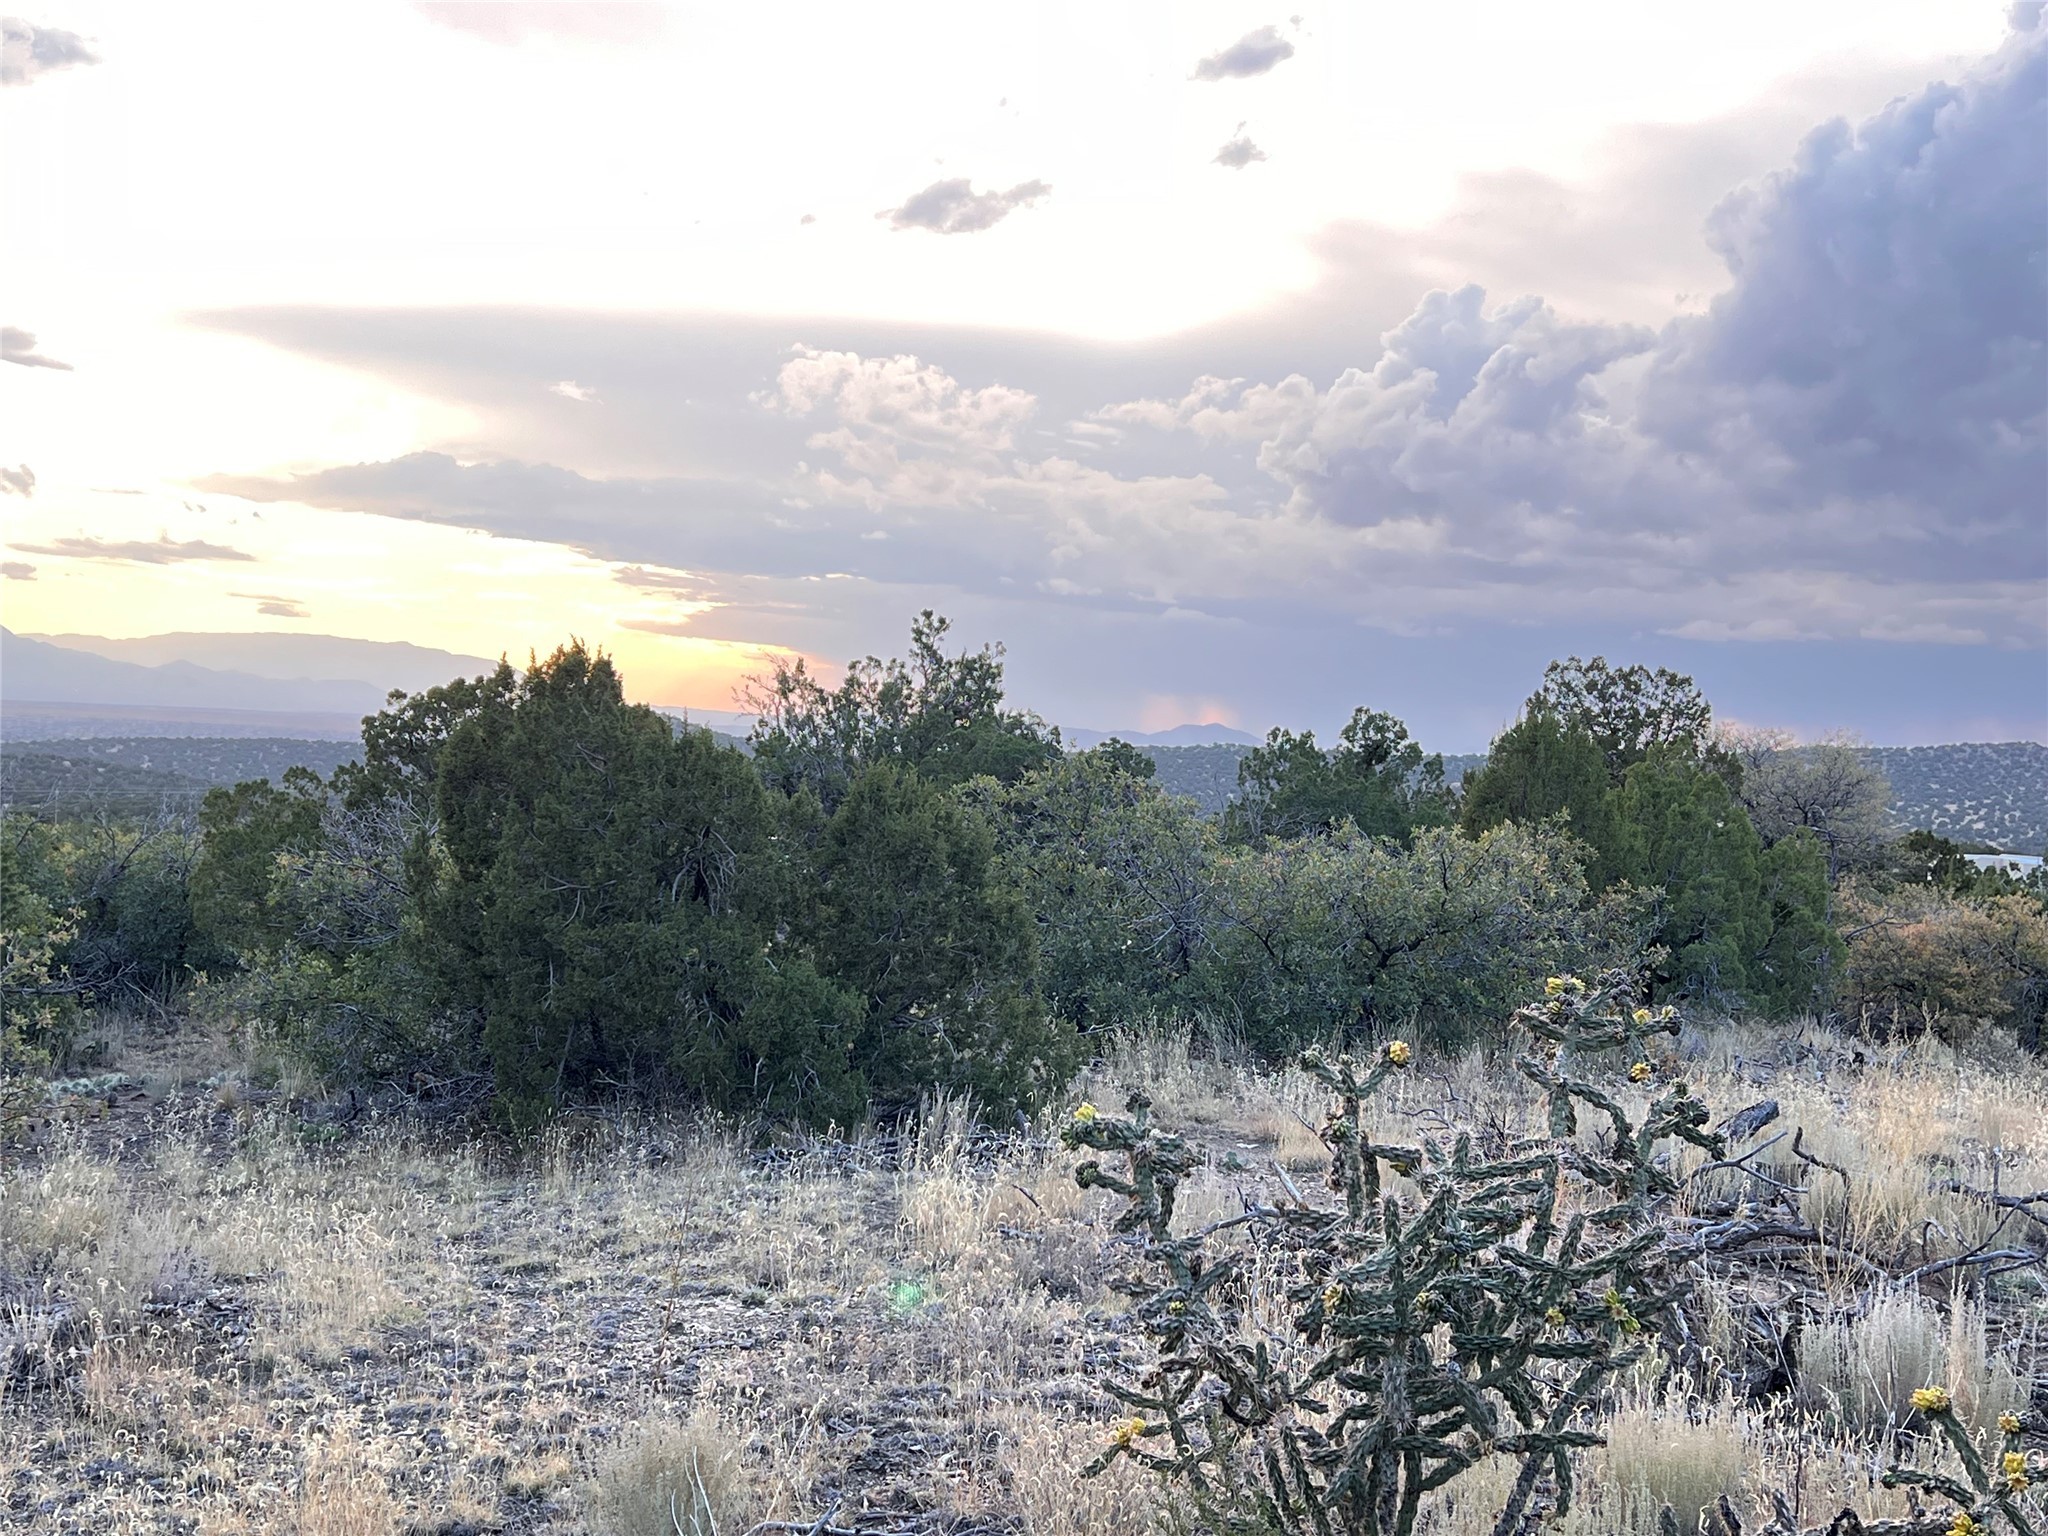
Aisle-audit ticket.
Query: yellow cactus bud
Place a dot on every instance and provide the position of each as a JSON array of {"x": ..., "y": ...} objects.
[
  {"x": 1642, "y": 1016},
  {"x": 2009, "y": 1423},
  {"x": 1398, "y": 1052},
  {"x": 1085, "y": 1113},
  {"x": 1964, "y": 1525},
  {"x": 1554, "y": 1317},
  {"x": 1931, "y": 1399},
  {"x": 1555, "y": 986},
  {"x": 1331, "y": 1296},
  {"x": 1127, "y": 1430},
  {"x": 1639, "y": 1073},
  {"x": 2015, "y": 1468}
]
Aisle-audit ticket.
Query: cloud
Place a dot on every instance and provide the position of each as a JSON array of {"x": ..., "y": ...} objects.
[
  {"x": 1238, "y": 153},
  {"x": 682, "y": 626},
  {"x": 274, "y": 605},
  {"x": 18, "y": 481},
  {"x": 955, "y": 208},
  {"x": 19, "y": 346},
  {"x": 17, "y": 570},
  {"x": 905, "y": 432},
  {"x": 162, "y": 550},
  {"x": 28, "y": 52},
  {"x": 1804, "y": 469},
  {"x": 1851, "y": 440},
  {"x": 681, "y": 584},
  {"x": 512, "y": 22},
  {"x": 569, "y": 389},
  {"x": 1253, "y": 54},
  {"x": 1885, "y": 340}
]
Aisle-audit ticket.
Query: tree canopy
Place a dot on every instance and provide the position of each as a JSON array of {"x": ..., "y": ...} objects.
[
  {"x": 1375, "y": 778},
  {"x": 939, "y": 714}
]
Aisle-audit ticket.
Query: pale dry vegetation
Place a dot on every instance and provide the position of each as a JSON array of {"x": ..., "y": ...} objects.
[{"x": 226, "y": 1310}]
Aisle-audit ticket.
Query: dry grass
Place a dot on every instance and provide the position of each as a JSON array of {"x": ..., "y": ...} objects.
[
  {"x": 671, "y": 1477},
  {"x": 640, "y": 1325}
]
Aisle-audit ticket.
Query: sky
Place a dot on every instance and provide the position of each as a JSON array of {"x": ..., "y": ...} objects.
[{"x": 1227, "y": 362}]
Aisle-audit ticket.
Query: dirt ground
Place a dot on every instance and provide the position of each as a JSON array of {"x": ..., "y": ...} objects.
[{"x": 229, "y": 1307}]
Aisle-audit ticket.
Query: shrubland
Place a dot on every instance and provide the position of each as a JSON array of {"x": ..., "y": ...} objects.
[{"x": 676, "y": 1132}]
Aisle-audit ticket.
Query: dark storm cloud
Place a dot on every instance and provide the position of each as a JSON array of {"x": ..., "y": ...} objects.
[
  {"x": 953, "y": 207},
  {"x": 1862, "y": 410},
  {"x": 1885, "y": 340},
  {"x": 17, "y": 481},
  {"x": 19, "y": 346},
  {"x": 1253, "y": 54},
  {"x": 28, "y": 52},
  {"x": 158, "y": 551}
]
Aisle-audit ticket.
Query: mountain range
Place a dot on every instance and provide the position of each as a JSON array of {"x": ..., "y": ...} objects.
[
  {"x": 269, "y": 691},
  {"x": 290, "y": 658},
  {"x": 74, "y": 687}
]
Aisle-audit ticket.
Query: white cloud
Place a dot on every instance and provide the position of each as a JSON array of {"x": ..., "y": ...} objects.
[
  {"x": 953, "y": 207},
  {"x": 28, "y": 52},
  {"x": 19, "y": 346},
  {"x": 1238, "y": 153},
  {"x": 1253, "y": 54}
]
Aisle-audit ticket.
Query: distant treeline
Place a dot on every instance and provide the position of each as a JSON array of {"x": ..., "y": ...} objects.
[
  {"x": 130, "y": 774},
  {"x": 1981, "y": 795},
  {"x": 1207, "y": 773},
  {"x": 524, "y": 893}
]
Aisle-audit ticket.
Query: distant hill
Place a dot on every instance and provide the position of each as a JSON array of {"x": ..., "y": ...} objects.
[
  {"x": 1178, "y": 736},
  {"x": 142, "y": 773},
  {"x": 35, "y": 670},
  {"x": 720, "y": 722},
  {"x": 56, "y": 783},
  {"x": 1985, "y": 792},
  {"x": 1208, "y": 774},
  {"x": 34, "y": 720},
  {"x": 283, "y": 657}
]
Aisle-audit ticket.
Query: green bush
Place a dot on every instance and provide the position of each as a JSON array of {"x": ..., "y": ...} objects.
[
  {"x": 910, "y": 914},
  {"x": 1120, "y": 879},
  {"x": 604, "y": 903},
  {"x": 1347, "y": 936},
  {"x": 1375, "y": 779}
]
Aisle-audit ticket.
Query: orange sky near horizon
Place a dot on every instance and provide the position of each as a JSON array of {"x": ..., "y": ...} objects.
[{"x": 360, "y": 576}]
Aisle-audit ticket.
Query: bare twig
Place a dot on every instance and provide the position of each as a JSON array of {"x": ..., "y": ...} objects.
[
  {"x": 2007, "y": 1258},
  {"x": 1740, "y": 1164}
]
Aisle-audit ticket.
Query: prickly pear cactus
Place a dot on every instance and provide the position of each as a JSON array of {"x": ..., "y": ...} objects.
[{"x": 1477, "y": 1317}]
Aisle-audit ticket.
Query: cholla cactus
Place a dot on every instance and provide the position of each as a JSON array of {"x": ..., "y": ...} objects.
[
  {"x": 1992, "y": 1491},
  {"x": 1478, "y": 1318}
]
